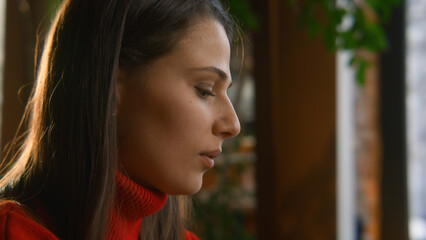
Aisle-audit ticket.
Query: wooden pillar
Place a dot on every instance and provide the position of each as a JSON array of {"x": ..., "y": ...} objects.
[{"x": 295, "y": 127}]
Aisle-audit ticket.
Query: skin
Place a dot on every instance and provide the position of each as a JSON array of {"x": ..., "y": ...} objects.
[{"x": 174, "y": 116}]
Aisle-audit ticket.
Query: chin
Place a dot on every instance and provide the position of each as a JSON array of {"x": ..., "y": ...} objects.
[{"x": 186, "y": 189}]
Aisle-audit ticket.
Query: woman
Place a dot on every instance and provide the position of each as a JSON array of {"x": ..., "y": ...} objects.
[{"x": 129, "y": 108}]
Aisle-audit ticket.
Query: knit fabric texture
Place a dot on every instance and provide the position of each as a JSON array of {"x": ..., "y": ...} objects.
[{"x": 133, "y": 203}]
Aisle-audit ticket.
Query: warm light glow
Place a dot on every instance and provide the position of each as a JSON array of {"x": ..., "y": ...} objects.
[{"x": 2, "y": 53}]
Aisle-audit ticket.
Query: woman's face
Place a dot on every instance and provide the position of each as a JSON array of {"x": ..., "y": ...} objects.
[{"x": 174, "y": 116}]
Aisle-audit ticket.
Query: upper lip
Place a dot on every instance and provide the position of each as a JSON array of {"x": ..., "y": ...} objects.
[{"x": 212, "y": 154}]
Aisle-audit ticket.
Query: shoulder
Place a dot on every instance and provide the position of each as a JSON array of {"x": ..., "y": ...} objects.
[
  {"x": 15, "y": 223},
  {"x": 190, "y": 236}
]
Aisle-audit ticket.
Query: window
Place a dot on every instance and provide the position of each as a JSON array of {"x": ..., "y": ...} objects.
[{"x": 416, "y": 116}]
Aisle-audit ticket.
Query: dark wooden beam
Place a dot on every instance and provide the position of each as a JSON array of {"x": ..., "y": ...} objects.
[{"x": 393, "y": 111}]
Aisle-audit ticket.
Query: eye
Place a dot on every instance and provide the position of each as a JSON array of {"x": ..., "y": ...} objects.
[{"x": 204, "y": 93}]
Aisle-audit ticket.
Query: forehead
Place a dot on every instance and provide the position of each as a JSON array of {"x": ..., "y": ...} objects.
[
  {"x": 203, "y": 30},
  {"x": 204, "y": 45},
  {"x": 204, "y": 42}
]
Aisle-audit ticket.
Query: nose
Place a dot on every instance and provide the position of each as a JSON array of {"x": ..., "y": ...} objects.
[{"x": 226, "y": 124}]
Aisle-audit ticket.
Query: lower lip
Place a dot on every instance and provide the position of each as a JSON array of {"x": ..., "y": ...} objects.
[{"x": 209, "y": 162}]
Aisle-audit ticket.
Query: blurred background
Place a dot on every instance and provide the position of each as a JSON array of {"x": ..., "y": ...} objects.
[{"x": 331, "y": 97}]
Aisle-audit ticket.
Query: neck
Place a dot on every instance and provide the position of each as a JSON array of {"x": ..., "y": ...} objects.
[{"x": 133, "y": 203}]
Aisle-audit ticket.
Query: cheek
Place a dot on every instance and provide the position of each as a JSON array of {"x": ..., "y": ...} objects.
[
  {"x": 172, "y": 120},
  {"x": 184, "y": 118}
]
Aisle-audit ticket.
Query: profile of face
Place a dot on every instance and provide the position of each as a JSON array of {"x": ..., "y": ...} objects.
[{"x": 174, "y": 115}]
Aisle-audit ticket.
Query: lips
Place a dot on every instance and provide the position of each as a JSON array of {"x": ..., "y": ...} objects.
[
  {"x": 209, "y": 157},
  {"x": 212, "y": 154}
]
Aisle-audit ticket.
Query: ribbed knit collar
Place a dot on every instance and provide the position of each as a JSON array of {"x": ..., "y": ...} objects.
[{"x": 133, "y": 203}]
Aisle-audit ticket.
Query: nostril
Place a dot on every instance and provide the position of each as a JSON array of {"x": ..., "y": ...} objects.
[
  {"x": 227, "y": 123},
  {"x": 233, "y": 129}
]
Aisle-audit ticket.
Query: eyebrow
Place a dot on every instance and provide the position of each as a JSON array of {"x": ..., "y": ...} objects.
[{"x": 222, "y": 75}]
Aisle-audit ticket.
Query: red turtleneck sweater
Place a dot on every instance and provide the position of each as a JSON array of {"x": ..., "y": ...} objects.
[{"x": 133, "y": 203}]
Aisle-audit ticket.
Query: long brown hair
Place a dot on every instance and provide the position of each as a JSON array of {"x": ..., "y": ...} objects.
[{"x": 68, "y": 156}]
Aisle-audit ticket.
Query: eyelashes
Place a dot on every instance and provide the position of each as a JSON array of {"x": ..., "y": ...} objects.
[{"x": 204, "y": 93}]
